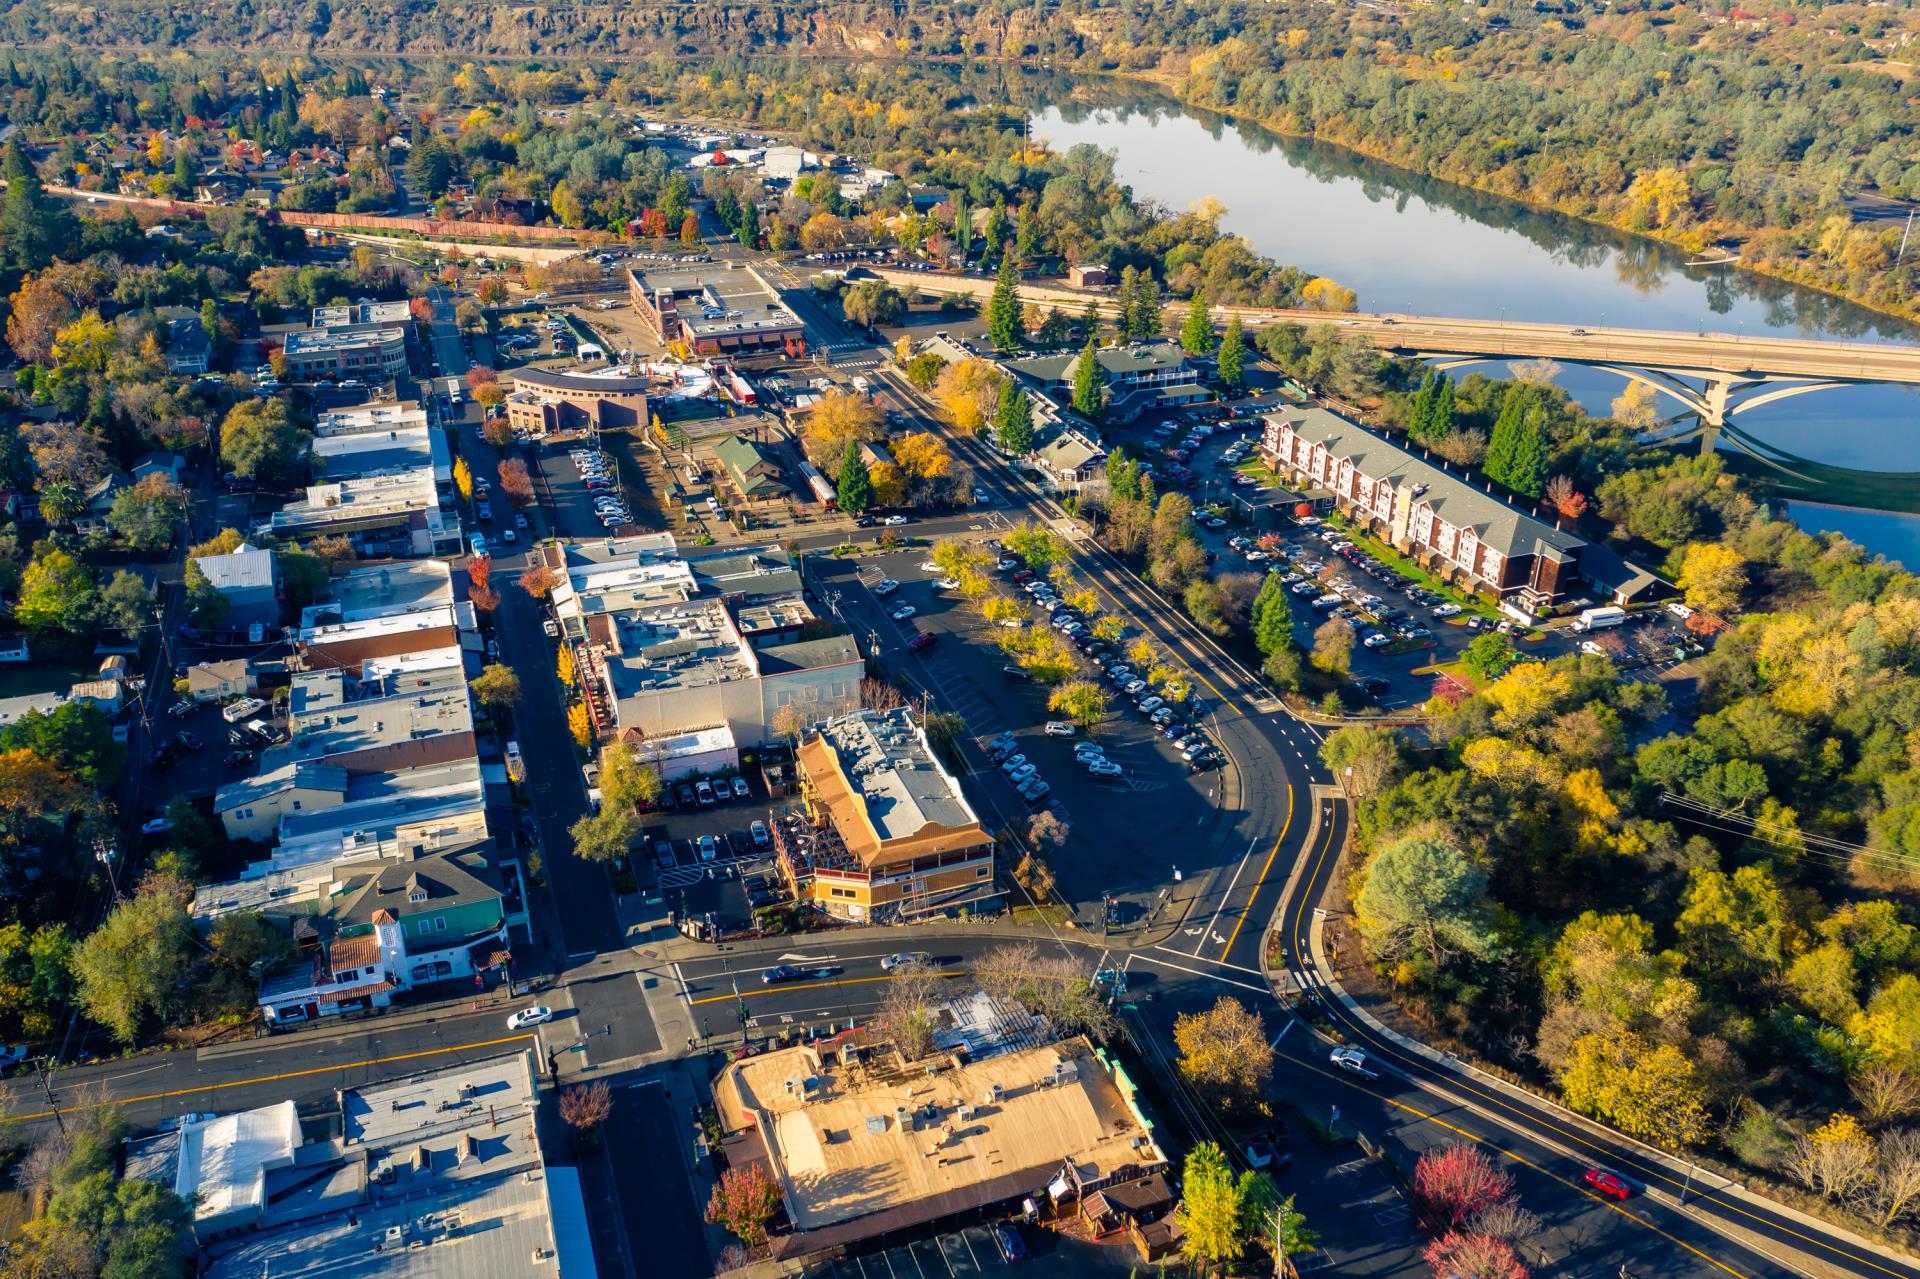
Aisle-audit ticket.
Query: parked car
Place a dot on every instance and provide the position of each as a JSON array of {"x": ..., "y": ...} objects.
[
  {"x": 885, "y": 587},
  {"x": 922, "y": 642},
  {"x": 740, "y": 789},
  {"x": 709, "y": 848},
  {"x": 1060, "y": 728},
  {"x": 902, "y": 613},
  {"x": 703, "y": 791},
  {"x": 762, "y": 837}
]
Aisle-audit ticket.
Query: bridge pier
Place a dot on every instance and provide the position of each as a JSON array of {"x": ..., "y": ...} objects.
[{"x": 1713, "y": 414}]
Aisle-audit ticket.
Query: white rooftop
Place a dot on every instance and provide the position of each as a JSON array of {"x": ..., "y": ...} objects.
[{"x": 224, "y": 1161}]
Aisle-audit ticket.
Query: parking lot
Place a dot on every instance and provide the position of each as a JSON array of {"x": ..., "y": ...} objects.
[{"x": 1149, "y": 806}]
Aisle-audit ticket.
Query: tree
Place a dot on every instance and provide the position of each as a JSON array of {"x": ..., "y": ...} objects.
[
  {"x": 1886, "y": 1090},
  {"x": 1013, "y": 423},
  {"x": 626, "y": 780},
  {"x": 1196, "y": 332},
  {"x": 838, "y": 419},
  {"x": 1233, "y": 356},
  {"x": 909, "y": 1012},
  {"x": 1487, "y": 656},
  {"x": 1083, "y": 702},
  {"x": 1333, "y": 647},
  {"x": 871, "y": 303},
  {"x": 606, "y": 836},
  {"x": 1365, "y": 760},
  {"x": 57, "y": 592},
  {"x": 1473, "y": 1256},
  {"x": 1713, "y": 575},
  {"x": 1525, "y": 471},
  {"x": 304, "y": 578},
  {"x": 333, "y": 550},
  {"x": 743, "y": 1202},
  {"x": 1424, "y": 894},
  {"x": 1143, "y": 317},
  {"x": 480, "y": 584},
  {"x": 854, "y": 486},
  {"x": 584, "y": 1107},
  {"x": 690, "y": 229},
  {"x": 1645, "y": 1090},
  {"x": 133, "y": 968},
  {"x": 1219, "y": 1212},
  {"x": 1896, "y": 1176},
  {"x": 1457, "y": 1183},
  {"x": 1272, "y": 617},
  {"x": 1224, "y": 1051},
  {"x": 75, "y": 736},
  {"x": 969, "y": 391},
  {"x": 1637, "y": 407},
  {"x": 496, "y": 687},
  {"x": 147, "y": 513},
  {"x": 1089, "y": 379},
  {"x": 1003, "y": 308},
  {"x": 539, "y": 581},
  {"x": 1054, "y": 985},
  {"x": 515, "y": 482},
  {"x": 126, "y": 605},
  {"x": 205, "y": 604},
  {"x": 1566, "y": 500},
  {"x": 259, "y": 441},
  {"x": 33, "y": 787}
]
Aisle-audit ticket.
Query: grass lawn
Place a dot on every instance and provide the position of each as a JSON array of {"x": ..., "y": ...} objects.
[
  {"x": 52, "y": 675},
  {"x": 1045, "y": 913},
  {"x": 1257, "y": 468}
]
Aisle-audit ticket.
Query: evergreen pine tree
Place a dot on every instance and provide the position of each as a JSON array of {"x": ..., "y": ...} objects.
[
  {"x": 1003, "y": 308},
  {"x": 1527, "y": 466},
  {"x": 1440, "y": 417},
  {"x": 1089, "y": 324},
  {"x": 962, "y": 225},
  {"x": 1143, "y": 320},
  {"x": 1088, "y": 378},
  {"x": 1272, "y": 617},
  {"x": 1506, "y": 433},
  {"x": 1233, "y": 355},
  {"x": 998, "y": 229},
  {"x": 855, "y": 486},
  {"x": 1420, "y": 415},
  {"x": 1013, "y": 423},
  {"x": 1196, "y": 335}
]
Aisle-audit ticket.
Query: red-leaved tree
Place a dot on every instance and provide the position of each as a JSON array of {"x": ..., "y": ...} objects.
[
  {"x": 1457, "y": 1183},
  {"x": 515, "y": 482},
  {"x": 479, "y": 588},
  {"x": 1458, "y": 1256},
  {"x": 744, "y": 1201}
]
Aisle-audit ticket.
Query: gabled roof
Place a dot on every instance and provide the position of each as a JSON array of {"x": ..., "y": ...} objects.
[
  {"x": 248, "y": 567},
  {"x": 1452, "y": 497}
]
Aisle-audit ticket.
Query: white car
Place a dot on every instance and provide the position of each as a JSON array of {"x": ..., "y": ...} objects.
[
  {"x": 1353, "y": 1061},
  {"x": 1148, "y": 705},
  {"x": 890, "y": 962},
  {"x": 885, "y": 587},
  {"x": 928, "y": 566},
  {"x": 538, "y": 1015},
  {"x": 1447, "y": 610},
  {"x": 902, "y": 613},
  {"x": 156, "y": 826},
  {"x": 1592, "y": 649},
  {"x": 1104, "y": 768},
  {"x": 948, "y": 584},
  {"x": 1060, "y": 728},
  {"x": 894, "y": 520},
  {"x": 709, "y": 848},
  {"x": 1133, "y": 686},
  {"x": 1377, "y": 639}
]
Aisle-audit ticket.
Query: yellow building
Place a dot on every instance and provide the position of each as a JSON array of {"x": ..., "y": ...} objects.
[{"x": 884, "y": 832}]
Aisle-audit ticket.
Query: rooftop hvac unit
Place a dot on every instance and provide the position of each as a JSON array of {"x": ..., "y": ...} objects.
[
  {"x": 903, "y": 1117},
  {"x": 994, "y": 1093}
]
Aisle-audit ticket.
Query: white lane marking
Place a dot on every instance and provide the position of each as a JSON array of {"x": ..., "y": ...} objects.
[
  {"x": 1244, "y": 857},
  {"x": 1283, "y": 1033},
  {"x": 1199, "y": 972}
]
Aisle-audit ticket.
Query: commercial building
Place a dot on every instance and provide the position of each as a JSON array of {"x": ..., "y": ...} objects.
[
  {"x": 720, "y": 308},
  {"x": 862, "y": 1143},
  {"x": 361, "y": 315},
  {"x": 396, "y": 451},
  {"x": 755, "y": 474},
  {"x": 1069, "y": 460},
  {"x": 246, "y": 578},
  {"x": 885, "y": 832},
  {"x": 374, "y": 354},
  {"x": 541, "y": 401},
  {"x": 1449, "y": 524},
  {"x": 437, "y": 1176},
  {"x": 1139, "y": 377},
  {"x": 665, "y": 645},
  {"x": 391, "y": 514},
  {"x": 384, "y": 611},
  {"x": 380, "y": 719}
]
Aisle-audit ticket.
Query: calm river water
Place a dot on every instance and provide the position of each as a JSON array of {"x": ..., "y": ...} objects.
[{"x": 1411, "y": 244}]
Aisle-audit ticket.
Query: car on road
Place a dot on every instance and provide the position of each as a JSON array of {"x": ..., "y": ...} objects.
[
  {"x": 922, "y": 642},
  {"x": 1060, "y": 728},
  {"x": 156, "y": 826},
  {"x": 885, "y": 587},
  {"x": 890, "y": 962},
  {"x": 902, "y": 613},
  {"x": 894, "y": 520},
  {"x": 709, "y": 848},
  {"x": 1609, "y": 1184},
  {"x": 180, "y": 710},
  {"x": 538, "y": 1015},
  {"x": 787, "y": 972},
  {"x": 1353, "y": 1061}
]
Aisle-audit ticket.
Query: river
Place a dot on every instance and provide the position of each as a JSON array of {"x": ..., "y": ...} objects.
[{"x": 1411, "y": 244}]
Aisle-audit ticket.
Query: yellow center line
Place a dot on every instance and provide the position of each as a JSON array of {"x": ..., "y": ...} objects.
[
  {"x": 1271, "y": 854},
  {"x": 776, "y": 988},
  {"x": 290, "y": 1074}
]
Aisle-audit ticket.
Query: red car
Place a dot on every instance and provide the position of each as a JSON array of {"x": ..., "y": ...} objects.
[
  {"x": 922, "y": 642},
  {"x": 1608, "y": 1184}
]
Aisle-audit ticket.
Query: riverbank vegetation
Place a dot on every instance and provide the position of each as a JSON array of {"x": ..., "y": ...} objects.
[{"x": 1786, "y": 138}]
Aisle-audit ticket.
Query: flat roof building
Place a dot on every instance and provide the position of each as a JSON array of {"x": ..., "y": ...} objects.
[
  {"x": 544, "y": 400},
  {"x": 886, "y": 832},
  {"x": 437, "y": 1176},
  {"x": 720, "y": 308},
  {"x": 337, "y": 354},
  {"x": 370, "y": 315},
  {"x": 386, "y": 514},
  {"x": 862, "y": 1144}
]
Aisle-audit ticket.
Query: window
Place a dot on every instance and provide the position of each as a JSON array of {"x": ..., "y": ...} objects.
[
  {"x": 296, "y": 805},
  {"x": 245, "y": 813},
  {"x": 843, "y": 892},
  {"x": 440, "y": 924},
  {"x": 983, "y": 872}
]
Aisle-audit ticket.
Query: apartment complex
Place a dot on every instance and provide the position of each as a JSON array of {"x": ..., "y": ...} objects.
[
  {"x": 719, "y": 308},
  {"x": 1138, "y": 377},
  {"x": 540, "y": 401},
  {"x": 1449, "y": 524},
  {"x": 862, "y": 1143},
  {"x": 885, "y": 832}
]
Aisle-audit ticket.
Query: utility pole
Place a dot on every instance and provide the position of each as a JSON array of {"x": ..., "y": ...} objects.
[
  {"x": 1903, "y": 238},
  {"x": 46, "y": 1085}
]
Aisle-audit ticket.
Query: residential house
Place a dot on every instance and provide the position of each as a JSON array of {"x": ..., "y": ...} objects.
[
  {"x": 1140, "y": 376},
  {"x": 220, "y": 681},
  {"x": 188, "y": 347},
  {"x": 752, "y": 469},
  {"x": 248, "y": 580},
  {"x": 1069, "y": 460}
]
